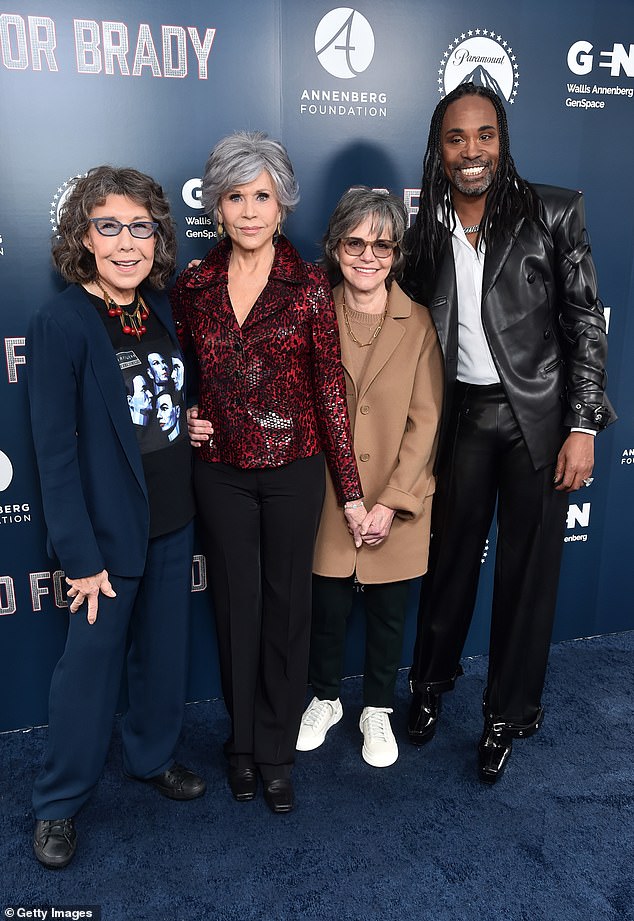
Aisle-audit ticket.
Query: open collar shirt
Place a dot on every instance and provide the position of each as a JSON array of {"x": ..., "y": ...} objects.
[{"x": 475, "y": 362}]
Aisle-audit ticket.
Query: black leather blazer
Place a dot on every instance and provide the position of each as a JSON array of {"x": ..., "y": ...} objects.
[{"x": 543, "y": 321}]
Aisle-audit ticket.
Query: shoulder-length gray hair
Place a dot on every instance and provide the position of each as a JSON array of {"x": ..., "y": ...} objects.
[
  {"x": 77, "y": 264},
  {"x": 238, "y": 159},
  {"x": 389, "y": 221}
]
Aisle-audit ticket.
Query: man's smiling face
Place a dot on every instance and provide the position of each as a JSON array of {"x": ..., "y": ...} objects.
[{"x": 470, "y": 145}]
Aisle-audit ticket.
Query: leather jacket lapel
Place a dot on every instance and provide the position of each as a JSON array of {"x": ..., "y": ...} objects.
[
  {"x": 443, "y": 306},
  {"x": 496, "y": 256}
]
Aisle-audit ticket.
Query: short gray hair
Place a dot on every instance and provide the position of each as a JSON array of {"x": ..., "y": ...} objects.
[
  {"x": 238, "y": 159},
  {"x": 386, "y": 211}
]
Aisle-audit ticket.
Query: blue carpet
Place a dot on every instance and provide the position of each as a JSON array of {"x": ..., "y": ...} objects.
[{"x": 424, "y": 839}]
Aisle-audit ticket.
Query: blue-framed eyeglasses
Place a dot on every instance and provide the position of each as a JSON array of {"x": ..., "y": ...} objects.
[{"x": 108, "y": 227}]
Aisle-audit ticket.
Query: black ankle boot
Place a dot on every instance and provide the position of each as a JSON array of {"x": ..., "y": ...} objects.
[
  {"x": 426, "y": 705},
  {"x": 494, "y": 751},
  {"x": 423, "y": 715}
]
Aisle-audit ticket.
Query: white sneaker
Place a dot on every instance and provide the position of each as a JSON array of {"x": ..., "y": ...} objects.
[
  {"x": 379, "y": 745},
  {"x": 318, "y": 717}
]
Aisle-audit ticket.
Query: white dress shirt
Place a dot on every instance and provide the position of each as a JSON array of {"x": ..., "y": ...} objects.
[{"x": 475, "y": 362}]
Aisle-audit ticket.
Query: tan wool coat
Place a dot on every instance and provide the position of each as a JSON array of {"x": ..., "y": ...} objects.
[{"x": 394, "y": 413}]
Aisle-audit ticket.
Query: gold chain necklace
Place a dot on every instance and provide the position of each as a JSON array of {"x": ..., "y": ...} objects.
[
  {"x": 376, "y": 332},
  {"x": 132, "y": 320}
]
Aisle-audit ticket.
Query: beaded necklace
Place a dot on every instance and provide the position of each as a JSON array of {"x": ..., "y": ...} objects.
[{"x": 132, "y": 317}]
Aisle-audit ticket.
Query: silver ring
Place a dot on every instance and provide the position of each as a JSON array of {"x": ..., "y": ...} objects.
[{"x": 589, "y": 480}]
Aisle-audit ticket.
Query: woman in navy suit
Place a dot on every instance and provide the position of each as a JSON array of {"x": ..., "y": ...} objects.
[{"x": 117, "y": 498}]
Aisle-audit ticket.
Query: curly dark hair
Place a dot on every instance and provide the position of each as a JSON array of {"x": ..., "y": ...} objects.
[
  {"x": 73, "y": 260},
  {"x": 387, "y": 213},
  {"x": 508, "y": 199}
]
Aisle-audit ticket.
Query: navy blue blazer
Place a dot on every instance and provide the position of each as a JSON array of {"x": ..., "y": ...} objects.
[{"x": 93, "y": 488}]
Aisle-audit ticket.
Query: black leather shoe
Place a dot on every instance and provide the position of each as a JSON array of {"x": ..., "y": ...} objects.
[
  {"x": 424, "y": 711},
  {"x": 494, "y": 751},
  {"x": 177, "y": 782},
  {"x": 243, "y": 783},
  {"x": 279, "y": 795},
  {"x": 55, "y": 842}
]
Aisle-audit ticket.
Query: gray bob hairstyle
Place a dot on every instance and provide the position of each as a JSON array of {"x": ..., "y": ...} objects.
[
  {"x": 238, "y": 159},
  {"x": 389, "y": 221},
  {"x": 77, "y": 264}
]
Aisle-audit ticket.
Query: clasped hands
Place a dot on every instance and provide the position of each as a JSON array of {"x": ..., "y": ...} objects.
[
  {"x": 365, "y": 527},
  {"x": 371, "y": 527}
]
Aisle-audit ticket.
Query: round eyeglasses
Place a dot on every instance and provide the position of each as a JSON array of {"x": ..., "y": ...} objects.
[
  {"x": 382, "y": 249},
  {"x": 108, "y": 227}
]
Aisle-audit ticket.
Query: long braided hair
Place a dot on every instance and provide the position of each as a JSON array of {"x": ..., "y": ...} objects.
[{"x": 509, "y": 197}]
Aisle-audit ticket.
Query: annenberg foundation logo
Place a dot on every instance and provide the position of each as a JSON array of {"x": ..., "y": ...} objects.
[
  {"x": 627, "y": 457},
  {"x": 344, "y": 43},
  {"x": 6, "y": 471},
  {"x": 59, "y": 199},
  {"x": 11, "y": 512},
  {"x": 482, "y": 57}
]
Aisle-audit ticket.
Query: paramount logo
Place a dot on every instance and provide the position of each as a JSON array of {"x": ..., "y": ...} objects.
[{"x": 483, "y": 57}]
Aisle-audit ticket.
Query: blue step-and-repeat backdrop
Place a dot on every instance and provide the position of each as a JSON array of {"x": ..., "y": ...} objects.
[{"x": 350, "y": 91}]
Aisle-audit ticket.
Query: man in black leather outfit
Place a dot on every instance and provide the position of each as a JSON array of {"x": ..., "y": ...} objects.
[{"x": 506, "y": 271}]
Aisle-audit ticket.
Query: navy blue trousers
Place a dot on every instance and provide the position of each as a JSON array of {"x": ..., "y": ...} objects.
[{"x": 144, "y": 629}]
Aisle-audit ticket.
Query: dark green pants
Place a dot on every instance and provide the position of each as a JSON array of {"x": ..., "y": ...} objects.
[{"x": 385, "y": 608}]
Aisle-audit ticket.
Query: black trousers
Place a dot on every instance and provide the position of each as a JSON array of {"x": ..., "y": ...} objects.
[
  {"x": 385, "y": 607},
  {"x": 258, "y": 532},
  {"x": 489, "y": 462}
]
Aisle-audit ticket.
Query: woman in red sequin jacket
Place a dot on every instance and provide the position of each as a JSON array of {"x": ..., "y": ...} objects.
[{"x": 260, "y": 324}]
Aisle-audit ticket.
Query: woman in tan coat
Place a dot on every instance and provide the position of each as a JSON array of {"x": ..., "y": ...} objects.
[{"x": 393, "y": 371}]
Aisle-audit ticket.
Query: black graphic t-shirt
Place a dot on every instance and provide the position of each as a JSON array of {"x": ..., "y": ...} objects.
[{"x": 154, "y": 377}]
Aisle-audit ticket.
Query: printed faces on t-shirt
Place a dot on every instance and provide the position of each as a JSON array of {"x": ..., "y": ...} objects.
[{"x": 154, "y": 377}]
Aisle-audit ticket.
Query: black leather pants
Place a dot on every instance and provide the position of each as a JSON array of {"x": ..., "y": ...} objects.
[{"x": 489, "y": 463}]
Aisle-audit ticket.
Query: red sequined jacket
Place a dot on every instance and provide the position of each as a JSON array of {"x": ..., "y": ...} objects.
[{"x": 274, "y": 388}]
